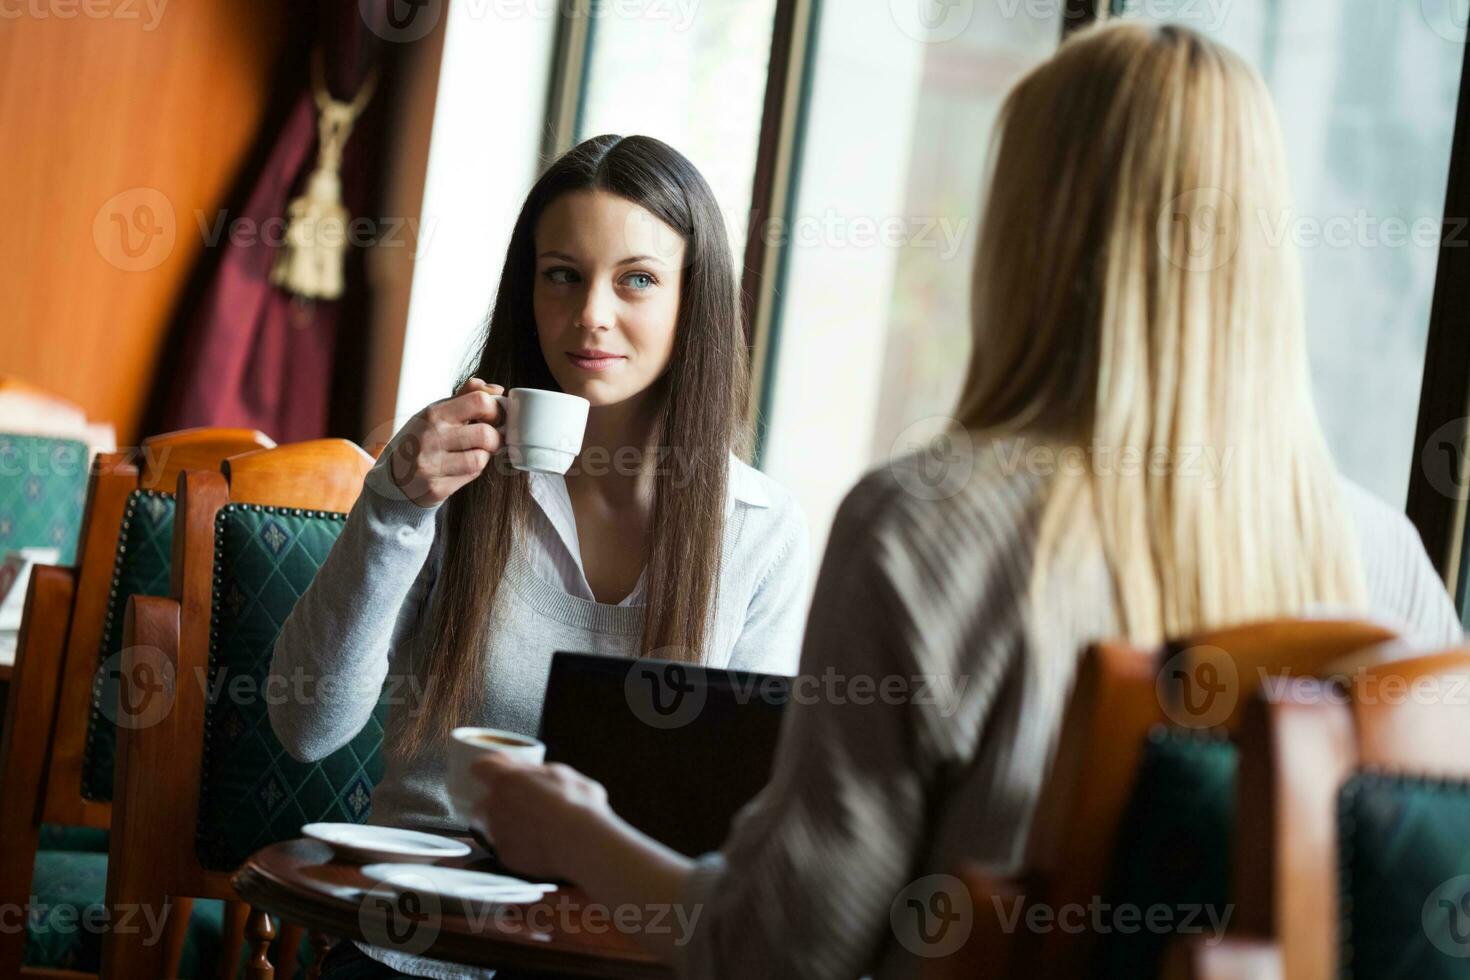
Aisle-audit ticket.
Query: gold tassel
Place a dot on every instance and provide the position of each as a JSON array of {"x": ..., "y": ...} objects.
[{"x": 310, "y": 260}]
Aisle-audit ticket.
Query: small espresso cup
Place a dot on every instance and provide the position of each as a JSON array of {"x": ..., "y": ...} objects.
[
  {"x": 468, "y": 744},
  {"x": 543, "y": 429}
]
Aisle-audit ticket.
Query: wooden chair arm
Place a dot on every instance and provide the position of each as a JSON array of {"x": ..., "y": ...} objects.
[
  {"x": 990, "y": 953},
  {"x": 44, "y": 623},
  {"x": 29, "y": 714},
  {"x": 1232, "y": 958},
  {"x": 148, "y": 730}
]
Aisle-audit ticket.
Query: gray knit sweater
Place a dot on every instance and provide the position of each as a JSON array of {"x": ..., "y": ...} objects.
[{"x": 360, "y": 628}]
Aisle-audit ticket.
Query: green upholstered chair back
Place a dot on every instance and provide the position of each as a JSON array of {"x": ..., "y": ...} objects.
[
  {"x": 144, "y": 549},
  {"x": 43, "y": 482},
  {"x": 252, "y": 793},
  {"x": 69, "y": 892},
  {"x": 1173, "y": 856},
  {"x": 1404, "y": 877}
]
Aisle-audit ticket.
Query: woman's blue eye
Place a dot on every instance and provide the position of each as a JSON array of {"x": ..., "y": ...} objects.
[
  {"x": 561, "y": 276},
  {"x": 640, "y": 280}
]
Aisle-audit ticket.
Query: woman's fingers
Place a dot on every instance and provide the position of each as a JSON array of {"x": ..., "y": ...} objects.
[
  {"x": 448, "y": 444},
  {"x": 472, "y": 399},
  {"x": 475, "y": 435},
  {"x": 475, "y": 405}
]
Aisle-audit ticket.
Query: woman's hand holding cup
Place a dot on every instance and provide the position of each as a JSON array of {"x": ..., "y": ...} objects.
[{"x": 448, "y": 444}]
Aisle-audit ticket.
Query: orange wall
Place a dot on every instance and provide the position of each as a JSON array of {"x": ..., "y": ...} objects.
[{"x": 111, "y": 122}]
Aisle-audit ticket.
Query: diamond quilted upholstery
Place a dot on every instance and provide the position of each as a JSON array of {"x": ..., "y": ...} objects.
[
  {"x": 68, "y": 890},
  {"x": 42, "y": 484},
  {"x": 141, "y": 568},
  {"x": 252, "y": 792},
  {"x": 64, "y": 925},
  {"x": 1405, "y": 878},
  {"x": 1173, "y": 851}
]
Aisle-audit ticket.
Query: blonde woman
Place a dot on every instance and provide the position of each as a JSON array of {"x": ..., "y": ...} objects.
[{"x": 1130, "y": 317}]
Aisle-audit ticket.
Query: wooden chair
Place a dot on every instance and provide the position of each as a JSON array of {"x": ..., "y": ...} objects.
[
  {"x": 56, "y": 753},
  {"x": 208, "y": 776},
  {"x": 1355, "y": 823},
  {"x": 1142, "y": 753}
]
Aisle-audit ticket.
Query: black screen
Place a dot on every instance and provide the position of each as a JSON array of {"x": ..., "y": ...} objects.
[{"x": 679, "y": 748}]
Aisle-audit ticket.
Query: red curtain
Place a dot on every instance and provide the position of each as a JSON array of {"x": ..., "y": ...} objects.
[{"x": 251, "y": 354}]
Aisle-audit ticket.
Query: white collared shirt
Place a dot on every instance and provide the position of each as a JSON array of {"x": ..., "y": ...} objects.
[{"x": 555, "y": 552}]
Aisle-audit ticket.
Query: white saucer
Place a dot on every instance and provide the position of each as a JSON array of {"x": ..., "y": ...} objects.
[
  {"x": 362, "y": 842},
  {"x": 458, "y": 884}
]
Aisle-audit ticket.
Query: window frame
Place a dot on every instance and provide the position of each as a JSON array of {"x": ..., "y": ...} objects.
[
  {"x": 1444, "y": 393},
  {"x": 1444, "y": 401}
]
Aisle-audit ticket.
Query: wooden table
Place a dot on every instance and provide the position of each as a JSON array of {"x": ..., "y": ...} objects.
[{"x": 564, "y": 934}]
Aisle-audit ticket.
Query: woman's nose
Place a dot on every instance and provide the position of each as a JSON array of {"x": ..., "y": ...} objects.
[{"x": 597, "y": 307}]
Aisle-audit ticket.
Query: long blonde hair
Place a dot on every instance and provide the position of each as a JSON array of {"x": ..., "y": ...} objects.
[{"x": 1129, "y": 298}]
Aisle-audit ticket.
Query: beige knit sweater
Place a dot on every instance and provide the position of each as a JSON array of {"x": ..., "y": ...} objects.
[{"x": 875, "y": 789}]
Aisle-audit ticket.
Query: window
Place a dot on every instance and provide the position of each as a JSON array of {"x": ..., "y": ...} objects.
[
  {"x": 693, "y": 76},
  {"x": 479, "y": 169},
  {"x": 874, "y": 324},
  {"x": 1367, "y": 92}
]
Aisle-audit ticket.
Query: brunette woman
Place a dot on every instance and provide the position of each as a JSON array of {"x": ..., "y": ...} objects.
[{"x": 457, "y": 577}]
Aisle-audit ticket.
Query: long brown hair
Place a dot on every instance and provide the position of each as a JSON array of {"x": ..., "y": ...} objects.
[{"x": 700, "y": 403}]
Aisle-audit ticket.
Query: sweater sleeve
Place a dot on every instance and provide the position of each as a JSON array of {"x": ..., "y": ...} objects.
[
  {"x": 770, "y": 639},
  {"x": 367, "y": 599},
  {"x": 1403, "y": 586},
  {"x": 823, "y": 851}
]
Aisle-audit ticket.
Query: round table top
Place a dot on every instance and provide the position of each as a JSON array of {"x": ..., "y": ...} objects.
[{"x": 565, "y": 933}]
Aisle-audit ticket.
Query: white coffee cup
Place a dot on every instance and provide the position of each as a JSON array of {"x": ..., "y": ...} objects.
[
  {"x": 467, "y": 744},
  {"x": 543, "y": 429}
]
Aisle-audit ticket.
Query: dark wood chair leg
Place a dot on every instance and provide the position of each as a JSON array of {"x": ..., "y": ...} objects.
[
  {"x": 321, "y": 945},
  {"x": 259, "y": 933},
  {"x": 233, "y": 940},
  {"x": 290, "y": 948},
  {"x": 175, "y": 933}
]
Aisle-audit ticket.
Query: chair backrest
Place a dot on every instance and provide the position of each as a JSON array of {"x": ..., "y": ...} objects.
[
  {"x": 1144, "y": 764},
  {"x": 72, "y": 627},
  {"x": 43, "y": 481},
  {"x": 126, "y": 550},
  {"x": 1355, "y": 792},
  {"x": 247, "y": 542}
]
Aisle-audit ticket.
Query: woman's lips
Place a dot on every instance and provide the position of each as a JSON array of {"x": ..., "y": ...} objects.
[{"x": 594, "y": 360}]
